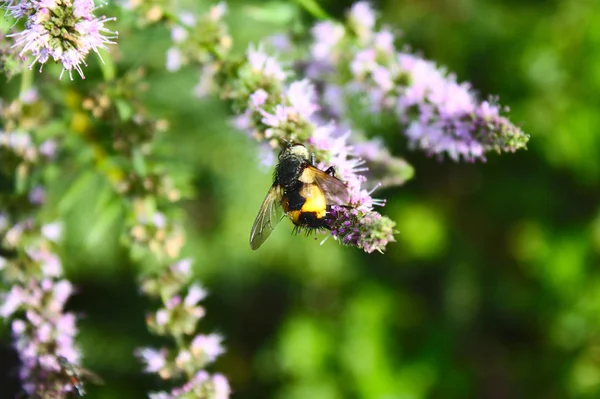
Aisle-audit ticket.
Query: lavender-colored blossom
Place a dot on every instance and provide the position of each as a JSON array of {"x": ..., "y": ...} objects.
[
  {"x": 154, "y": 359},
  {"x": 178, "y": 318},
  {"x": 45, "y": 334},
  {"x": 37, "y": 196},
  {"x": 174, "y": 59},
  {"x": 195, "y": 294},
  {"x": 258, "y": 98},
  {"x": 207, "y": 345},
  {"x": 327, "y": 35},
  {"x": 62, "y": 30},
  {"x": 52, "y": 231},
  {"x": 361, "y": 18},
  {"x": 265, "y": 65},
  {"x": 201, "y": 385},
  {"x": 436, "y": 113}
]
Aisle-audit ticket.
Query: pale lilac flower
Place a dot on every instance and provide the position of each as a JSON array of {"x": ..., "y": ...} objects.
[
  {"x": 37, "y": 196},
  {"x": 202, "y": 385},
  {"x": 11, "y": 301},
  {"x": 153, "y": 359},
  {"x": 29, "y": 96},
  {"x": 50, "y": 264},
  {"x": 45, "y": 333},
  {"x": 174, "y": 59},
  {"x": 362, "y": 18},
  {"x": 327, "y": 35},
  {"x": 384, "y": 42},
  {"x": 279, "y": 42},
  {"x": 302, "y": 96},
  {"x": 62, "y": 31},
  {"x": 265, "y": 65},
  {"x": 258, "y": 98},
  {"x": 188, "y": 19},
  {"x": 183, "y": 267},
  {"x": 218, "y": 11},
  {"x": 178, "y": 319},
  {"x": 221, "y": 387},
  {"x": 208, "y": 345},
  {"x": 52, "y": 231},
  {"x": 179, "y": 34},
  {"x": 162, "y": 317},
  {"x": 195, "y": 294},
  {"x": 19, "y": 143},
  {"x": 48, "y": 148}
]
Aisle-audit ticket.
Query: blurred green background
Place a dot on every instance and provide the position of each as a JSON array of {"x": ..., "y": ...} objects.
[{"x": 493, "y": 288}]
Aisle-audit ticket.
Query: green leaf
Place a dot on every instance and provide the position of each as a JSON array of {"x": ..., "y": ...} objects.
[
  {"x": 275, "y": 12},
  {"x": 313, "y": 8},
  {"x": 139, "y": 163},
  {"x": 75, "y": 192}
]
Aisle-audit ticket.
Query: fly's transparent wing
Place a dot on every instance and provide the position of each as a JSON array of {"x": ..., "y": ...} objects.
[
  {"x": 334, "y": 189},
  {"x": 269, "y": 215}
]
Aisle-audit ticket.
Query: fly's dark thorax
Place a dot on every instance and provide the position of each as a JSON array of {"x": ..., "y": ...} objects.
[{"x": 288, "y": 171}]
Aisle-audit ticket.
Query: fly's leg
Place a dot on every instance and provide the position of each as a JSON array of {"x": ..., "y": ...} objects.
[{"x": 330, "y": 171}]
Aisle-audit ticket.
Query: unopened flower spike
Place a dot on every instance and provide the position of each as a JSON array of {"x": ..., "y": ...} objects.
[{"x": 62, "y": 30}]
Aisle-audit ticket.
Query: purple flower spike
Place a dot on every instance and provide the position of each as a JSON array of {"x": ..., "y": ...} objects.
[{"x": 436, "y": 113}]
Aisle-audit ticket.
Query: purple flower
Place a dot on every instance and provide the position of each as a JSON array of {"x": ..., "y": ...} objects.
[
  {"x": 195, "y": 294},
  {"x": 265, "y": 65},
  {"x": 327, "y": 35},
  {"x": 174, "y": 59},
  {"x": 153, "y": 359},
  {"x": 201, "y": 385},
  {"x": 63, "y": 31},
  {"x": 11, "y": 301},
  {"x": 258, "y": 98},
  {"x": 436, "y": 113},
  {"x": 207, "y": 345},
  {"x": 362, "y": 19},
  {"x": 182, "y": 268},
  {"x": 302, "y": 96}
]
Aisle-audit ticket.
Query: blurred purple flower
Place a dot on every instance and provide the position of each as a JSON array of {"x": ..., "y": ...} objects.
[
  {"x": 208, "y": 345},
  {"x": 153, "y": 359}
]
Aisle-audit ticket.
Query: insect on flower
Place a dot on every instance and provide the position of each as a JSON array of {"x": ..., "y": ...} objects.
[
  {"x": 301, "y": 191},
  {"x": 75, "y": 375}
]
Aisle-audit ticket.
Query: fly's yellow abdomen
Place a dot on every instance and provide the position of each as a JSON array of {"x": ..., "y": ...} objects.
[{"x": 315, "y": 200}]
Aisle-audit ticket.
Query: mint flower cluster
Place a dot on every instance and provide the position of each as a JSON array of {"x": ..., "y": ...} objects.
[
  {"x": 33, "y": 302},
  {"x": 155, "y": 234},
  {"x": 358, "y": 63},
  {"x": 177, "y": 318},
  {"x": 61, "y": 30},
  {"x": 275, "y": 112}
]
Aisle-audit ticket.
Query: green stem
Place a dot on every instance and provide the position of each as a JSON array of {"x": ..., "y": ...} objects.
[
  {"x": 107, "y": 66},
  {"x": 26, "y": 81}
]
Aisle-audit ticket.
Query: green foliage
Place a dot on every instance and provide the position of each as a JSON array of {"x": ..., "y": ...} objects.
[{"x": 492, "y": 288}]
